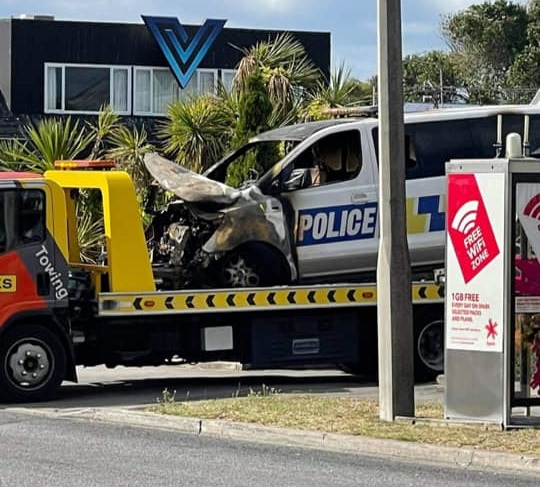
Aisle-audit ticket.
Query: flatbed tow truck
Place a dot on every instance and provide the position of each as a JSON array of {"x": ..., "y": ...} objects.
[{"x": 57, "y": 312}]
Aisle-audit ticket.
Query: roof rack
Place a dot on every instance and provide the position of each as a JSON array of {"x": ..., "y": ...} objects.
[{"x": 362, "y": 111}]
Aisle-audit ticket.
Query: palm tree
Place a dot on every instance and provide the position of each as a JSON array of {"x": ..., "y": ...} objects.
[
  {"x": 286, "y": 68},
  {"x": 342, "y": 90},
  {"x": 107, "y": 123},
  {"x": 54, "y": 139},
  {"x": 9, "y": 155},
  {"x": 49, "y": 140},
  {"x": 127, "y": 149},
  {"x": 197, "y": 131}
]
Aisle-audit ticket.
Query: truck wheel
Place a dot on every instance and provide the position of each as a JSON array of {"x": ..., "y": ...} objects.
[
  {"x": 33, "y": 363},
  {"x": 251, "y": 265},
  {"x": 429, "y": 357}
]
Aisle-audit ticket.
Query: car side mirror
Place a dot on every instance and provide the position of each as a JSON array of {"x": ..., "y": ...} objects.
[
  {"x": 296, "y": 181},
  {"x": 274, "y": 188}
]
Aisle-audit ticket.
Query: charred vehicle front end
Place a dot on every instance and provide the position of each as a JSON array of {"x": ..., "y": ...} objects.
[{"x": 212, "y": 235}]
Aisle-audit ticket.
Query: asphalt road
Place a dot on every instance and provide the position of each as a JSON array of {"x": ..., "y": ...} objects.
[
  {"x": 67, "y": 452},
  {"x": 137, "y": 387}
]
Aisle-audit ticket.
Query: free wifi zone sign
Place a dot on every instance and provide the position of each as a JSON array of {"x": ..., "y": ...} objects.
[{"x": 469, "y": 227}]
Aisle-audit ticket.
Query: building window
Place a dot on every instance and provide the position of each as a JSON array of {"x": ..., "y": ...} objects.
[
  {"x": 120, "y": 90},
  {"x": 203, "y": 81},
  {"x": 207, "y": 81},
  {"x": 165, "y": 90},
  {"x": 86, "y": 89},
  {"x": 143, "y": 91},
  {"x": 227, "y": 78},
  {"x": 156, "y": 88},
  {"x": 191, "y": 89},
  {"x": 53, "y": 92}
]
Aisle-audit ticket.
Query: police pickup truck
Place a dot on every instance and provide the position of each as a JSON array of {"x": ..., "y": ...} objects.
[{"x": 312, "y": 217}]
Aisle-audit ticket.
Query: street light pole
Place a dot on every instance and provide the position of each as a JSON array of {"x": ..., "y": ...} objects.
[{"x": 394, "y": 310}]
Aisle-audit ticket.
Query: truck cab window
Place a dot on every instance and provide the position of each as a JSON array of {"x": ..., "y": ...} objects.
[
  {"x": 2, "y": 224},
  {"x": 22, "y": 218},
  {"x": 32, "y": 216}
]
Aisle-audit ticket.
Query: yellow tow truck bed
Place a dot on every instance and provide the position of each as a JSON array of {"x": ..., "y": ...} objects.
[{"x": 254, "y": 299}]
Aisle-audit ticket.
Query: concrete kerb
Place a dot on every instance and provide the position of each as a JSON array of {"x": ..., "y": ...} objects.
[{"x": 404, "y": 450}]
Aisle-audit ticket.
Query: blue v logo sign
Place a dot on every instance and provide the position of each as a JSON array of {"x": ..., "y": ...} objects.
[{"x": 183, "y": 54}]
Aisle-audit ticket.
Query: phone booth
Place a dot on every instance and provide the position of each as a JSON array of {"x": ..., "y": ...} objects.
[{"x": 492, "y": 300}]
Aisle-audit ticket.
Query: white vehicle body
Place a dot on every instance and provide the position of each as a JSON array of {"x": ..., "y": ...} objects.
[{"x": 334, "y": 223}]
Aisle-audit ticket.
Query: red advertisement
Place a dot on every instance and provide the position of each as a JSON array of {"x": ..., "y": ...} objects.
[
  {"x": 528, "y": 210},
  {"x": 469, "y": 227}
]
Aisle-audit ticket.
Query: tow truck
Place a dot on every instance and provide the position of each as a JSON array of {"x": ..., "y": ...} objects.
[{"x": 58, "y": 312}]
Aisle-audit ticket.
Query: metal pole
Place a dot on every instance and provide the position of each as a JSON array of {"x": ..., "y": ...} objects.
[
  {"x": 442, "y": 88},
  {"x": 394, "y": 310}
]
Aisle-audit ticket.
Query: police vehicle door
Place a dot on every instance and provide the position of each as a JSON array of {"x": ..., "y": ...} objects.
[{"x": 335, "y": 207}]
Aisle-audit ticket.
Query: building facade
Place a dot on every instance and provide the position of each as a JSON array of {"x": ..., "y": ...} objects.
[{"x": 68, "y": 68}]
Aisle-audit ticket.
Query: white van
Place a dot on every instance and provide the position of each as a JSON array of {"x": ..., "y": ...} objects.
[{"x": 312, "y": 217}]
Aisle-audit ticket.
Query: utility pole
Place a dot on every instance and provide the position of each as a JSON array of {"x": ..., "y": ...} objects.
[{"x": 394, "y": 309}]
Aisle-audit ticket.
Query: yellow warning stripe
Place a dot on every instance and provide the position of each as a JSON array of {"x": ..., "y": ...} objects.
[
  {"x": 427, "y": 291},
  {"x": 254, "y": 299}
]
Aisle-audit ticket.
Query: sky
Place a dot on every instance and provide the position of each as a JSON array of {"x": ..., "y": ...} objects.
[{"x": 351, "y": 23}]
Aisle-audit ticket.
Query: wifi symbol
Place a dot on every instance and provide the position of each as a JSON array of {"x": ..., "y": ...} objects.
[
  {"x": 532, "y": 208},
  {"x": 465, "y": 218}
]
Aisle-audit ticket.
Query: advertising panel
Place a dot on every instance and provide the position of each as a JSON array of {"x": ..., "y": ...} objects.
[
  {"x": 475, "y": 295},
  {"x": 528, "y": 211}
]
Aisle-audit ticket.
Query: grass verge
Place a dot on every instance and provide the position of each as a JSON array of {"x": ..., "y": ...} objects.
[{"x": 350, "y": 416}]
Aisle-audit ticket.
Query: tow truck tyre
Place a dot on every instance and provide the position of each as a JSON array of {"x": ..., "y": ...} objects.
[
  {"x": 33, "y": 363},
  {"x": 252, "y": 265},
  {"x": 428, "y": 349},
  {"x": 429, "y": 344}
]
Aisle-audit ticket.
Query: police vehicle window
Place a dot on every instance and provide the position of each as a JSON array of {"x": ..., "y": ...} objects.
[
  {"x": 486, "y": 131},
  {"x": 250, "y": 162},
  {"x": 410, "y": 153},
  {"x": 534, "y": 133},
  {"x": 474, "y": 138},
  {"x": 411, "y": 161},
  {"x": 429, "y": 145},
  {"x": 334, "y": 158},
  {"x": 437, "y": 142}
]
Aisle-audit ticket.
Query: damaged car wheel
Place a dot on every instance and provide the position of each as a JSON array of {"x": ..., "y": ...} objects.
[{"x": 252, "y": 265}]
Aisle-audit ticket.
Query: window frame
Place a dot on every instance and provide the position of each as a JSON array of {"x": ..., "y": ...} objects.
[
  {"x": 227, "y": 71},
  {"x": 18, "y": 238},
  {"x": 151, "y": 70},
  {"x": 131, "y": 89},
  {"x": 215, "y": 72},
  {"x": 351, "y": 140},
  {"x": 180, "y": 95},
  {"x": 110, "y": 67}
]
